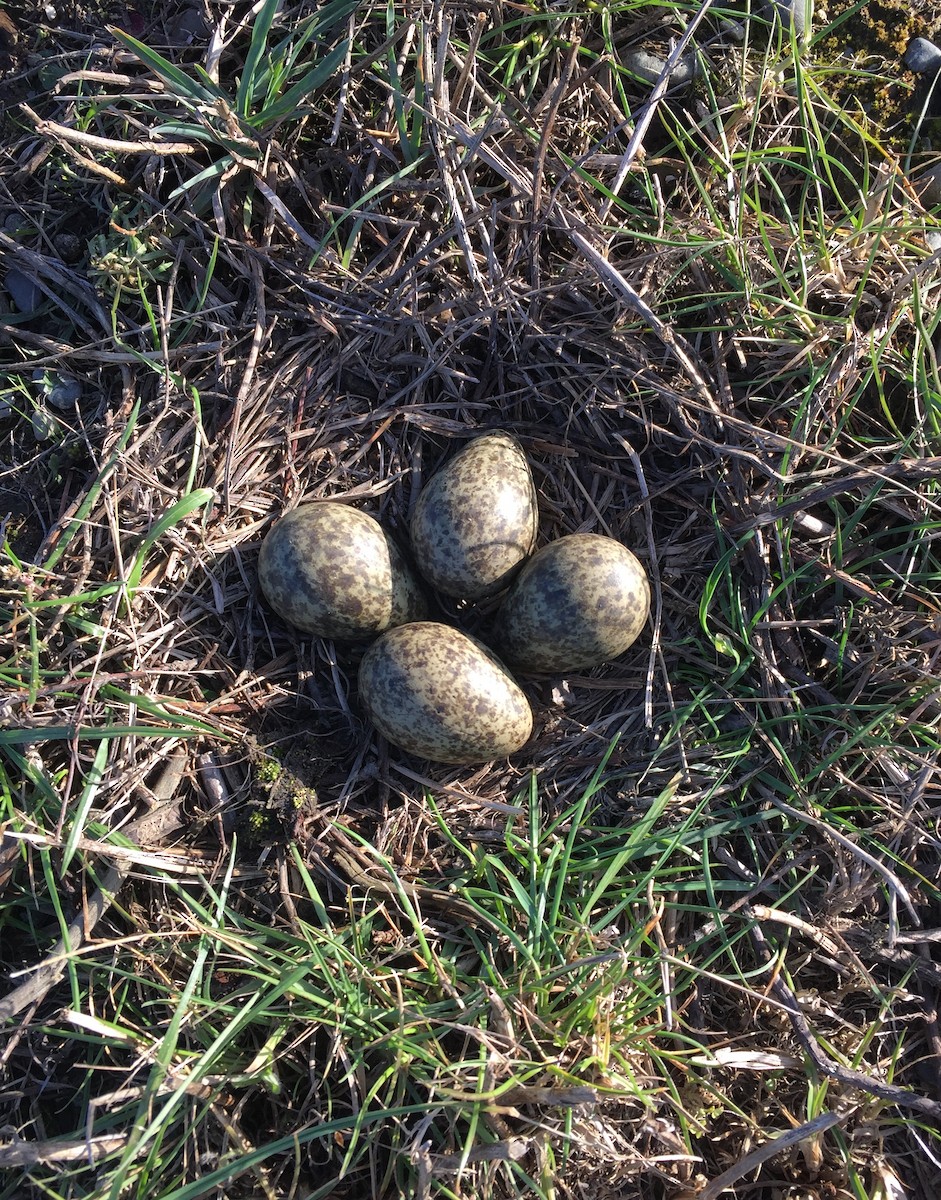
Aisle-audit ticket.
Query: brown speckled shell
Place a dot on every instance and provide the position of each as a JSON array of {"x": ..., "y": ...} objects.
[
  {"x": 578, "y": 602},
  {"x": 439, "y": 694},
  {"x": 332, "y": 571},
  {"x": 475, "y": 521}
]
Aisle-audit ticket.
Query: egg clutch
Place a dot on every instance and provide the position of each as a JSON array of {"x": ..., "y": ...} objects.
[{"x": 332, "y": 571}]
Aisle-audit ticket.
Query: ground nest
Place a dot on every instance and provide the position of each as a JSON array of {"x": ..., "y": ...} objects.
[{"x": 713, "y": 344}]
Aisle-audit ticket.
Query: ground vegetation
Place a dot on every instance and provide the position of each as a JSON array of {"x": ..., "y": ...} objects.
[{"x": 687, "y": 939}]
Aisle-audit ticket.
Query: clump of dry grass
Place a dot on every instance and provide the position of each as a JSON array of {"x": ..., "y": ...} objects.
[{"x": 715, "y": 342}]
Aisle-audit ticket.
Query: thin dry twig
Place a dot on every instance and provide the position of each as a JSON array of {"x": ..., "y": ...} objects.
[
  {"x": 23, "y": 1153},
  {"x": 896, "y": 887},
  {"x": 92, "y": 141},
  {"x": 776, "y": 1145},
  {"x": 849, "y": 1077},
  {"x": 650, "y": 111}
]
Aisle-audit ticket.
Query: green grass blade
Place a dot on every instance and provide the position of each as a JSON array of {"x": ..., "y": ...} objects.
[
  {"x": 176, "y": 513},
  {"x": 86, "y": 800},
  {"x": 290, "y": 103},
  {"x": 177, "y": 80},
  {"x": 248, "y": 81}
]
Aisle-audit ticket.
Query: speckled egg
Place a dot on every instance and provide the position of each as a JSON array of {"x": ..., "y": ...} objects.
[
  {"x": 332, "y": 571},
  {"x": 579, "y": 602},
  {"x": 475, "y": 521},
  {"x": 439, "y": 694}
]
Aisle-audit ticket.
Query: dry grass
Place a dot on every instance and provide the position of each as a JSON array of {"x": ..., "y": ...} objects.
[{"x": 712, "y": 325}]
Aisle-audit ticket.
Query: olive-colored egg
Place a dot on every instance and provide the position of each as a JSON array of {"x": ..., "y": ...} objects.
[
  {"x": 439, "y": 694},
  {"x": 475, "y": 521},
  {"x": 578, "y": 602},
  {"x": 333, "y": 571}
]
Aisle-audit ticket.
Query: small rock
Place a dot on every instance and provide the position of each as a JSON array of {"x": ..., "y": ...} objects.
[
  {"x": 933, "y": 239},
  {"x": 188, "y": 27},
  {"x": 24, "y": 291},
  {"x": 798, "y": 13},
  {"x": 732, "y": 29},
  {"x": 922, "y": 56},
  {"x": 928, "y": 186},
  {"x": 65, "y": 393},
  {"x": 45, "y": 426},
  {"x": 68, "y": 247},
  {"x": 650, "y": 67}
]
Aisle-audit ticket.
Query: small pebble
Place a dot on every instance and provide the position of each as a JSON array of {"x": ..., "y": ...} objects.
[
  {"x": 45, "y": 426},
  {"x": 24, "y": 291},
  {"x": 732, "y": 29},
  {"x": 933, "y": 239},
  {"x": 793, "y": 11},
  {"x": 188, "y": 27},
  {"x": 651, "y": 66},
  {"x": 928, "y": 186},
  {"x": 922, "y": 56},
  {"x": 65, "y": 393},
  {"x": 68, "y": 247}
]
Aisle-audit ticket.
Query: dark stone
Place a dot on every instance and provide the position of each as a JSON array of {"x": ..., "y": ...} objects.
[
  {"x": 64, "y": 393},
  {"x": 25, "y": 292},
  {"x": 922, "y": 56},
  {"x": 795, "y": 12},
  {"x": 651, "y": 66}
]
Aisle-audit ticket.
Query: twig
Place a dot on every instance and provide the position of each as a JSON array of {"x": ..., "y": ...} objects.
[
  {"x": 847, "y": 1076},
  {"x": 896, "y": 887},
  {"x": 847, "y": 959},
  {"x": 57, "y": 352},
  {"x": 909, "y": 470},
  {"x": 775, "y": 1146},
  {"x": 248, "y": 376},
  {"x": 649, "y": 111},
  {"x": 23, "y": 1153},
  {"x": 444, "y": 147},
  {"x": 347, "y": 856},
  {"x": 672, "y": 341},
  {"x": 90, "y": 140},
  {"x": 654, "y": 573}
]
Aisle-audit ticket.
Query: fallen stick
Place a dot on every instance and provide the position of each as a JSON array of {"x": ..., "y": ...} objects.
[{"x": 849, "y": 1077}]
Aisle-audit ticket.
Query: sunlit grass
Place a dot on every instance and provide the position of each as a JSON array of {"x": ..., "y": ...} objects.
[{"x": 428, "y": 1030}]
